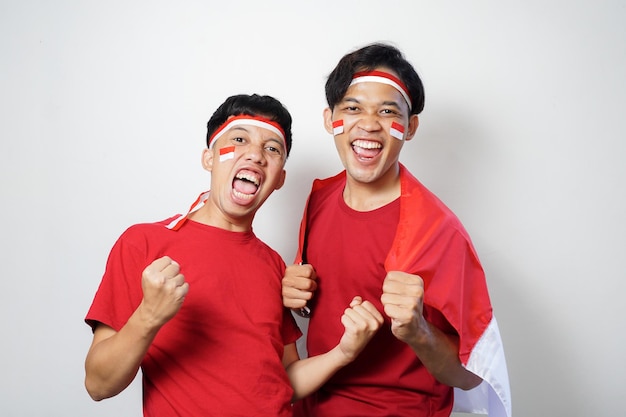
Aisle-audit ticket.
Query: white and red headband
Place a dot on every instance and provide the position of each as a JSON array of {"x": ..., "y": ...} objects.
[
  {"x": 244, "y": 119},
  {"x": 385, "y": 78}
]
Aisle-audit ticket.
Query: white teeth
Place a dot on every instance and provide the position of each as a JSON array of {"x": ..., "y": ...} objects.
[
  {"x": 248, "y": 177},
  {"x": 366, "y": 144},
  {"x": 242, "y": 195}
]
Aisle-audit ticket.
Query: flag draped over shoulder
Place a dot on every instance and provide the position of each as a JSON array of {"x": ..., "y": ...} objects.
[{"x": 433, "y": 244}]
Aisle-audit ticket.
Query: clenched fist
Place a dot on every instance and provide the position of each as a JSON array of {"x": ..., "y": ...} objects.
[
  {"x": 298, "y": 285},
  {"x": 164, "y": 290},
  {"x": 403, "y": 302},
  {"x": 361, "y": 322}
]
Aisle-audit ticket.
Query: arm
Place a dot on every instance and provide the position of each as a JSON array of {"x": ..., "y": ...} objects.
[
  {"x": 298, "y": 285},
  {"x": 114, "y": 357},
  {"x": 361, "y": 321},
  {"x": 403, "y": 302}
]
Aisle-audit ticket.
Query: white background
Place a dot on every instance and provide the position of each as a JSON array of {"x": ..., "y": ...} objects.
[{"x": 103, "y": 107}]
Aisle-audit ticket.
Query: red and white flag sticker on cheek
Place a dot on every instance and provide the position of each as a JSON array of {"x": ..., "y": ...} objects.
[
  {"x": 227, "y": 152},
  {"x": 397, "y": 131},
  {"x": 337, "y": 127}
]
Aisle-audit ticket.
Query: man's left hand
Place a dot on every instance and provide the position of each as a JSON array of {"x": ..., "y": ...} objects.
[{"x": 402, "y": 300}]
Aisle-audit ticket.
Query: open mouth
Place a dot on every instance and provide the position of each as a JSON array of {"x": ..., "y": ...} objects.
[
  {"x": 246, "y": 184},
  {"x": 366, "y": 148}
]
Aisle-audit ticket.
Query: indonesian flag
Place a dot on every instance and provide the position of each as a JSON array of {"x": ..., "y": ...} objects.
[
  {"x": 226, "y": 153},
  {"x": 458, "y": 290},
  {"x": 337, "y": 127},
  {"x": 397, "y": 130}
]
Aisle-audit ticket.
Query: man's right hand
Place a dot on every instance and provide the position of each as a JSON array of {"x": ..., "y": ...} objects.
[
  {"x": 164, "y": 290},
  {"x": 299, "y": 284},
  {"x": 115, "y": 356}
]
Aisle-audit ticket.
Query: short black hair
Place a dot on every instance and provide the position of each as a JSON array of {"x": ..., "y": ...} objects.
[
  {"x": 252, "y": 105},
  {"x": 368, "y": 58}
]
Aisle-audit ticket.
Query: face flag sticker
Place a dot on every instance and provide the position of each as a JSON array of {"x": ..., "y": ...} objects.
[
  {"x": 337, "y": 127},
  {"x": 397, "y": 130},
  {"x": 226, "y": 153}
]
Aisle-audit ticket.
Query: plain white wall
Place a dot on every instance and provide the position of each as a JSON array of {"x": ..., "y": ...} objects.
[{"x": 103, "y": 107}]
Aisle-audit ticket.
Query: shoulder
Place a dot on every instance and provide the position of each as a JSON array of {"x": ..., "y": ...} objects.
[
  {"x": 148, "y": 227},
  {"x": 335, "y": 179},
  {"x": 417, "y": 198},
  {"x": 269, "y": 253},
  {"x": 322, "y": 188},
  {"x": 142, "y": 232}
]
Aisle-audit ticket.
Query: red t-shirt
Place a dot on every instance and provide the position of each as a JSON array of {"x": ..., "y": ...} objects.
[
  {"x": 222, "y": 352},
  {"x": 348, "y": 250}
]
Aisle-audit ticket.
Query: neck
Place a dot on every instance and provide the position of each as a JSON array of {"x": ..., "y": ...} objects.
[
  {"x": 211, "y": 216},
  {"x": 367, "y": 196}
]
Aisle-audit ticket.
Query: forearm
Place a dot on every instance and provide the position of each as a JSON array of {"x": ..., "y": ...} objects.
[
  {"x": 114, "y": 358},
  {"x": 361, "y": 321},
  {"x": 308, "y": 375},
  {"x": 439, "y": 354}
]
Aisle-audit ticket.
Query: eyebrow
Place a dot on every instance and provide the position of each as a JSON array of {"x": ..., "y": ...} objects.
[
  {"x": 271, "y": 138},
  {"x": 278, "y": 141},
  {"x": 384, "y": 103}
]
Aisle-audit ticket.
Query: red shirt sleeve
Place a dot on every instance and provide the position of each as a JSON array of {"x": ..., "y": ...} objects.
[{"x": 119, "y": 293}]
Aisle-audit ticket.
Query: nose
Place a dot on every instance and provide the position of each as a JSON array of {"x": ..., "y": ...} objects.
[
  {"x": 369, "y": 122},
  {"x": 255, "y": 154}
]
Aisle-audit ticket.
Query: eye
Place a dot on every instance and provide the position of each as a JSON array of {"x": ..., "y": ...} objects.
[
  {"x": 349, "y": 108},
  {"x": 389, "y": 111},
  {"x": 238, "y": 139},
  {"x": 273, "y": 149}
]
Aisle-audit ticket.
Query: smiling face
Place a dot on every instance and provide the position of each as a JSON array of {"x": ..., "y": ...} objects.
[
  {"x": 246, "y": 164},
  {"x": 368, "y": 146}
]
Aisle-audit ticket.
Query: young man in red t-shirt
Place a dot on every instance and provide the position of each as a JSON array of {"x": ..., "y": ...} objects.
[
  {"x": 377, "y": 231},
  {"x": 194, "y": 301}
]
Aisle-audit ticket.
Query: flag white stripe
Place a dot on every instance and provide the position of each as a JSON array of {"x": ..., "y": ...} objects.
[
  {"x": 396, "y": 133},
  {"x": 227, "y": 156},
  {"x": 493, "y": 395}
]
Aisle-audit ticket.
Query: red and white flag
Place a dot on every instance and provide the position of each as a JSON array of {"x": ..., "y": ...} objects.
[
  {"x": 397, "y": 131},
  {"x": 227, "y": 152},
  {"x": 466, "y": 307},
  {"x": 337, "y": 127}
]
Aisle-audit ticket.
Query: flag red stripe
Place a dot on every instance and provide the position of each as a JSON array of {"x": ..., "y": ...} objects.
[
  {"x": 227, "y": 149},
  {"x": 397, "y": 126}
]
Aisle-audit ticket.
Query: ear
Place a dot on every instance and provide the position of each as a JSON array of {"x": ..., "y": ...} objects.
[
  {"x": 281, "y": 181},
  {"x": 207, "y": 159},
  {"x": 328, "y": 120},
  {"x": 414, "y": 122}
]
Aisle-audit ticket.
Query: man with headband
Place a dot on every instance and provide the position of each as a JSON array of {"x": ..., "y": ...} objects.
[
  {"x": 194, "y": 301},
  {"x": 375, "y": 230}
]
